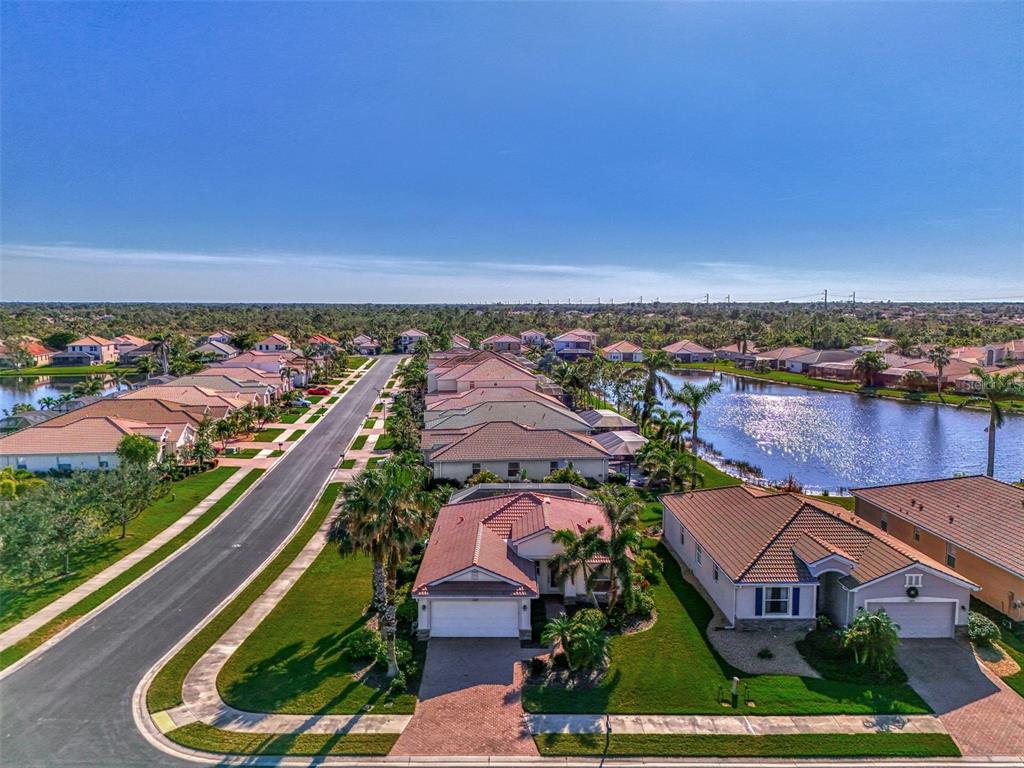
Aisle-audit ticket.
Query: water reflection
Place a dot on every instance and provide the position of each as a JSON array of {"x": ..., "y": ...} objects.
[
  {"x": 836, "y": 440},
  {"x": 32, "y": 389}
]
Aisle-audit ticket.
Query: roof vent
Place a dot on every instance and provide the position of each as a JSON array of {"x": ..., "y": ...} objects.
[
  {"x": 950, "y": 519},
  {"x": 461, "y": 520}
]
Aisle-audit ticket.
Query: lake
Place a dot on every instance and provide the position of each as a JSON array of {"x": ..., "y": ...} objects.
[
  {"x": 835, "y": 441},
  {"x": 30, "y": 389}
]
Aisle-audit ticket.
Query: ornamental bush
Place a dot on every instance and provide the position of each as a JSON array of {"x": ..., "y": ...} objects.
[
  {"x": 981, "y": 629},
  {"x": 364, "y": 643}
]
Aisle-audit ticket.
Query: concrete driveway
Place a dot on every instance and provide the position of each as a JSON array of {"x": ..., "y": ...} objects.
[
  {"x": 982, "y": 714},
  {"x": 469, "y": 701}
]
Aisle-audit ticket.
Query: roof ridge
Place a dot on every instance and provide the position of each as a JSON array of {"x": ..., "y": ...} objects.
[
  {"x": 930, "y": 480},
  {"x": 775, "y": 536}
]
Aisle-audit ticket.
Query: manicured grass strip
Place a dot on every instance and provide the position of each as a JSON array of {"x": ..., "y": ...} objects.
[
  {"x": 315, "y": 398},
  {"x": 332, "y": 400},
  {"x": 165, "y": 690},
  {"x": 788, "y": 745},
  {"x": 359, "y": 442},
  {"x": 289, "y": 418},
  {"x": 267, "y": 435},
  {"x": 111, "y": 588},
  {"x": 276, "y": 454},
  {"x": 369, "y": 424},
  {"x": 209, "y": 739},
  {"x": 355, "y": 361},
  {"x": 20, "y": 602},
  {"x": 245, "y": 453},
  {"x": 66, "y": 370},
  {"x": 384, "y": 443},
  {"x": 372, "y": 461},
  {"x": 294, "y": 662},
  {"x": 671, "y": 669},
  {"x": 314, "y": 418},
  {"x": 296, "y": 435},
  {"x": 347, "y": 464},
  {"x": 378, "y": 407}
]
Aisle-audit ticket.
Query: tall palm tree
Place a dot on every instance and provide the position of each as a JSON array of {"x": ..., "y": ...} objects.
[
  {"x": 162, "y": 351},
  {"x": 996, "y": 389},
  {"x": 663, "y": 466},
  {"x": 145, "y": 365},
  {"x": 92, "y": 385},
  {"x": 868, "y": 364},
  {"x": 577, "y": 555},
  {"x": 622, "y": 506},
  {"x": 655, "y": 363},
  {"x": 224, "y": 430},
  {"x": 939, "y": 357},
  {"x": 694, "y": 397},
  {"x": 117, "y": 378}
]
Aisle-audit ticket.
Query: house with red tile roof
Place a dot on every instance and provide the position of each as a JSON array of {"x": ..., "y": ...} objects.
[
  {"x": 408, "y": 339},
  {"x": 88, "y": 350},
  {"x": 487, "y": 560},
  {"x": 366, "y": 345},
  {"x": 533, "y": 338},
  {"x": 778, "y": 359},
  {"x": 502, "y": 342},
  {"x": 218, "y": 403},
  {"x": 970, "y": 383},
  {"x": 974, "y": 524},
  {"x": 318, "y": 338},
  {"x": 575, "y": 344},
  {"x": 460, "y": 342},
  {"x": 623, "y": 352},
  {"x": 39, "y": 352},
  {"x": 775, "y": 561},
  {"x": 511, "y": 450},
  {"x": 523, "y": 406},
  {"x": 686, "y": 351},
  {"x": 125, "y": 343},
  {"x": 737, "y": 352},
  {"x": 480, "y": 368}
]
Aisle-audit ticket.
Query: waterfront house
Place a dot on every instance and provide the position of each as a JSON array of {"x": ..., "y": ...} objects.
[
  {"x": 686, "y": 351},
  {"x": 804, "y": 363},
  {"x": 511, "y": 450},
  {"x": 488, "y": 558},
  {"x": 775, "y": 561},
  {"x": 575, "y": 344},
  {"x": 607, "y": 420},
  {"x": 622, "y": 444},
  {"x": 623, "y": 352},
  {"x": 737, "y": 353},
  {"x": 502, "y": 342},
  {"x": 523, "y": 406},
  {"x": 477, "y": 368},
  {"x": 88, "y": 350},
  {"x": 970, "y": 383},
  {"x": 218, "y": 404},
  {"x": 778, "y": 359},
  {"x": 973, "y": 524},
  {"x": 366, "y": 345},
  {"x": 408, "y": 340},
  {"x": 37, "y": 352},
  {"x": 533, "y": 338},
  {"x": 275, "y": 342},
  {"x": 125, "y": 343}
]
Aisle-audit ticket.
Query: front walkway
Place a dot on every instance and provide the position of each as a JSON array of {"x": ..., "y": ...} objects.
[
  {"x": 469, "y": 701},
  {"x": 45, "y": 615},
  {"x": 982, "y": 714}
]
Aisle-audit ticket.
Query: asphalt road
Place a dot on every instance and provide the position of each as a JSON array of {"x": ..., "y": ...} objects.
[{"x": 71, "y": 706}]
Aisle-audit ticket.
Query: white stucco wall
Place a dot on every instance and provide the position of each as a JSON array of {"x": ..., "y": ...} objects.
[
  {"x": 721, "y": 591},
  {"x": 535, "y": 470},
  {"x": 933, "y": 587},
  {"x": 46, "y": 462}
]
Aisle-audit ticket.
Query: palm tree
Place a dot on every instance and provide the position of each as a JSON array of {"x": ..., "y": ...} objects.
[
  {"x": 670, "y": 426},
  {"x": 93, "y": 385},
  {"x": 622, "y": 506},
  {"x": 868, "y": 364},
  {"x": 996, "y": 389},
  {"x": 118, "y": 378},
  {"x": 162, "y": 350},
  {"x": 694, "y": 397},
  {"x": 559, "y": 631},
  {"x": 145, "y": 365},
  {"x": 578, "y": 551},
  {"x": 224, "y": 430},
  {"x": 939, "y": 357},
  {"x": 48, "y": 403},
  {"x": 663, "y": 466},
  {"x": 655, "y": 382}
]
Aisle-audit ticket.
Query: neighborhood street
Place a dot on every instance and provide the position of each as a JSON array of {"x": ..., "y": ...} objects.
[{"x": 72, "y": 705}]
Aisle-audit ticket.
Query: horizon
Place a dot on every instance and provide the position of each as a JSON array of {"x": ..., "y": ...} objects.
[{"x": 385, "y": 153}]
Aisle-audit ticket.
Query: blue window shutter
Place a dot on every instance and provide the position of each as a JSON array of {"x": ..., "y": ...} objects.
[
  {"x": 796, "y": 601},
  {"x": 758, "y": 600}
]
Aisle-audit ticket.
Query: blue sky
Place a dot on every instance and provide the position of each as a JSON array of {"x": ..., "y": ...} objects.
[{"x": 464, "y": 152}]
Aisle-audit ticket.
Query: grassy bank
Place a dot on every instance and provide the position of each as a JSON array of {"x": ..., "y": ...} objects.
[
  {"x": 66, "y": 370},
  {"x": 111, "y": 588},
  {"x": 209, "y": 739}
]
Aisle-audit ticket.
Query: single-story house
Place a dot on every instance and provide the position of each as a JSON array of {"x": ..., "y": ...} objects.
[
  {"x": 89, "y": 443},
  {"x": 220, "y": 404},
  {"x": 970, "y": 384},
  {"x": 133, "y": 356},
  {"x": 223, "y": 336},
  {"x": 275, "y": 342},
  {"x": 804, "y": 363},
  {"x": 477, "y": 368},
  {"x": 778, "y": 359},
  {"x": 502, "y": 342},
  {"x": 487, "y": 560},
  {"x": 840, "y": 370},
  {"x": 449, "y": 401},
  {"x": 366, "y": 345},
  {"x": 217, "y": 350},
  {"x": 125, "y": 343},
  {"x": 737, "y": 352},
  {"x": 687, "y": 351},
  {"x": 409, "y": 338},
  {"x": 320, "y": 339},
  {"x": 530, "y": 412},
  {"x": 974, "y": 524},
  {"x": 262, "y": 392},
  {"x": 607, "y": 420},
  {"x": 623, "y": 352},
  {"x": 575, "y": 344},
  {"x": 533, "y": 338},
  {"x": 160, "y": 412},
  {"x": 511, "y": 450},
  {"x": 775, "y": 561},
  {"x": 23, "y": 420}
]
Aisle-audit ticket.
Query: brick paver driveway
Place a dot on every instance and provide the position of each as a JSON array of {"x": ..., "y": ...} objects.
[
  {"x": 981, "y": 713},
  {"x": 469, "y": 701}
]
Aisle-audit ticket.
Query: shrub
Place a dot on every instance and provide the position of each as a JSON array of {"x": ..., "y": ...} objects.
[
  {"x": 538, "y": 666},
  {"x": 872, "y": 637},
  {"x": 644, "y": 604},
  {"x": 483, "y": 476},
  {"x": 591, "y": 617},
  {"x": 364, "y": 643},
  {"x": 981, "y": 629},
  {"x": 765, "y": 653},
  {"x": 616, "y": 478}
]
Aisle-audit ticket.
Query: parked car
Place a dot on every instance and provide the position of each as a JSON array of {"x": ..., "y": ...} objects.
[
  {"x": 302, "y": 401},
  {"x": 318, "y": 391}
]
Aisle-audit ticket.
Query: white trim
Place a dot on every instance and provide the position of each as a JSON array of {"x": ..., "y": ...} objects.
[
  {"x": 469, "y": 569},
  {"x": 942, "y": 574}
]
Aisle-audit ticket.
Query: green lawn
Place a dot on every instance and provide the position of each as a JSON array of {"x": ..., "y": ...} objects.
[
  {"x": 384, "y": 443},
  {"x": 111, "y": 588},
  {"x": 359, "y": 442},
  {"x": 66, "y": 370},
  {"x": 347, "y": 464},
  {"x": 671, "y": 669},
  {"x": 295, "y": 435},
  {"x": 294, "y": 662},
  {"x": 355, "y": 361},
  {"x": 712, "y": 476},
  {"x": 19, "y": 602},
  {"x": 315, "y": 398},
  {"x": 378, "y": 407},
  {"x": 786, "y": 746},
  {"x": 165, "y": 689},
  {"x": 369, "y": 424},
  {"x": 290, "y": 418},
  {"x": 209, "y": 739},
  {"x": 244, "y": 453},
  {"x": 332, "y": 400},
  {"x": 373, "y": 461},
  {"x": 267, "y": 435},
  {"x": 276, "y": 454}
]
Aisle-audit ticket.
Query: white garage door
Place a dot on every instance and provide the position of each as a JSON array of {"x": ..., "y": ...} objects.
[
  {"x": 474, "y": 618},
  {"x": 920, "y": 619}
]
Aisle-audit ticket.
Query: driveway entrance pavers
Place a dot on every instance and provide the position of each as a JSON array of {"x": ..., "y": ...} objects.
[
  {"x": 469, "y": 701},
  {"x": 982, "y": 714}
]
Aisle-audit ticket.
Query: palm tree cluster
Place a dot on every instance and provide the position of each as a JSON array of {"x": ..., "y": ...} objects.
[{"x": 995, "y": 390}]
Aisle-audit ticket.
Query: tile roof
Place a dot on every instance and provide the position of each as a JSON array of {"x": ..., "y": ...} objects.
[
  {"x": 825, "y": 356},
  {"x": 444, "y": 401},
  {"x": 735, "y": 348},
  {"x": 189, "y": 395},
  {"x": 760, "y": 538},
  {"x": 147, "y": 411},
  {"x": 412, "y": 332},
  {"x": 686, "y": 346},
  {"x": 506, "y": 440},
  {"x": 976, "y": 513},
  {"x": 91, "y": 340},
  {"x": 622, "y": 346},
  {"x": 127, "y": 338},
  {"x": 99, "y": 434},
  {"x": 784, "y": 353},
  {"x": 363, "y": 340},
  {"x": 275, "y": 338},
  {"x": 482, "y": 533}
]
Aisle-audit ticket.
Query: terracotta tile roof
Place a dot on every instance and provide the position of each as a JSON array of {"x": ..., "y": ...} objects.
[
  {"x": 533, "y": 413},
  {"x": 275, "y": 338},
  {"x": 461, "y": 341},
  {"x": 735, "y": 348},
  {"x": 413, "y": 332},
  {"x": 363, "y": 340},
  {"x": 532, "y": 332},
  {"x": 501, "y": 337},
  {"x": 686, "y": 346},
  {"x": 482, "y": 533},
  {"x": 36, "y": 348},
  {"x": 761, "y": 537},
  {"x": 190, "y": 395},
  {"x": 98, "y": 434},
  {"x": 127, "y": 338},
  {"x": 147, "y": 411},
  {"x": 784, "y": 353},
  {"x": 577, "y": 336},
  {"x": 976, "y": 513},
  {"x": 508, "y": 441},
  {"x": 444, "y": 401},
  {"x": 242, "y": 373},
  {"x": 91, "y": 340},
  {"x": 622, "y": 346},
  {"x": 440, "y": 361},
  {"x": 825, "y": 356},
  {"x": 488, "y": 370},
  {"x": 319, "y": 338}
]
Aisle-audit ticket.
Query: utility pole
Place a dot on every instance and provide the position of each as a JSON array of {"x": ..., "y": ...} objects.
[
  {"x": 853, "y": 297},
  {"x": 707, "y": 298},
  {"x": 728, "y": 299},
  {"x": 826, "y": 299}
]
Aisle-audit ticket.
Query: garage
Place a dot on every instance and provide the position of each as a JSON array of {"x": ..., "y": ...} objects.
[
  {"x": 474, "y": 618},
  {"x": 920, "y": 618}
]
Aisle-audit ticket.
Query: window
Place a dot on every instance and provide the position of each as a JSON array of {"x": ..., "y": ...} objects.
[
  {"x": 917, "y": 533},
  {"x": 552, "y": 577},
  {"x": 104, "y": 464},
  {"x": 682, "y": 535},
  {"x": 913, "y": 580},
  {"x": 475, "y": 468},
  {"x": 714, "y": 571},
  {"x": 950, "y": 555},
  {"x": 883, "y": 521},
  {"x": 553, "y": 466},
  {"x": 700, "y": 554},
  {"x": 776, "y": 601},
  {"x": 513, "y": 469}
]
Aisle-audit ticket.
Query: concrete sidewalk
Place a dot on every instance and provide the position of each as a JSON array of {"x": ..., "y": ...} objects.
[{"x": 51, "y": 611}]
